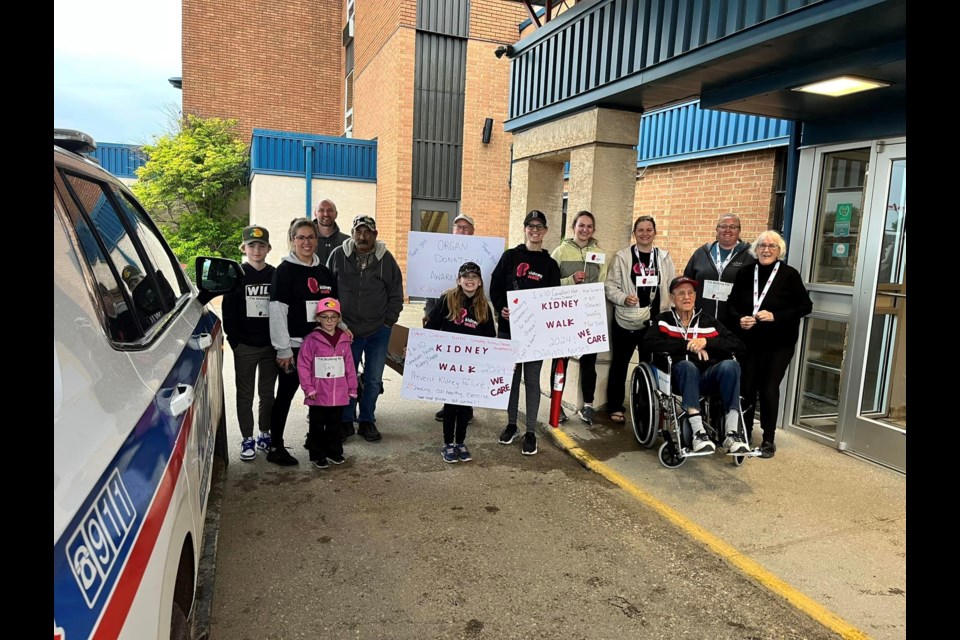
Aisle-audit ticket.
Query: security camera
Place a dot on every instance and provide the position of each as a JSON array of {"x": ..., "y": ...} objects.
[{"x": 503, "y": 50}]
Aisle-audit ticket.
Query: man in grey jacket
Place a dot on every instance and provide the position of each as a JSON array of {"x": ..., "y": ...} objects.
[{"x": 371, "y": 295}]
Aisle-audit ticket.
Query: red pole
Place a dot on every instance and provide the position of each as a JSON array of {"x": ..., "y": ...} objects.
[{"x": 556, "y": 394}]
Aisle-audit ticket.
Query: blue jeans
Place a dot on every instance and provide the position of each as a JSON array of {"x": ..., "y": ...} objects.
[
  {"x": 374, "y": 350},
  {"x": 722, "y": 378}
]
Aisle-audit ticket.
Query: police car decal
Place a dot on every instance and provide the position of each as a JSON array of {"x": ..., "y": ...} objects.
[{"x": 100, "y": 560}]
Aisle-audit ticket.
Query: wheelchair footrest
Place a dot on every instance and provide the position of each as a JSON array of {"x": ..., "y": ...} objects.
[
  {"x": 753, "y": 453},
  {"x": 688, "y": 453}
]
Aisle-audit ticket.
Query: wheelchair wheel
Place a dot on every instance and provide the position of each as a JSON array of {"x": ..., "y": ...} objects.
[
  {"x": 644, "y": 408},
  {"x": 670, "y": 455},
  {"x": 738, "y": 460}
]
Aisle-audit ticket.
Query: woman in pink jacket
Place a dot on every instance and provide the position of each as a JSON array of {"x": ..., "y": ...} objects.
[{"x": 329, "y": 380}]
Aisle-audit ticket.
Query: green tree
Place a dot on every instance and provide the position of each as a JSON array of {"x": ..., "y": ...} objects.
[{"x": 192, "y": 179}]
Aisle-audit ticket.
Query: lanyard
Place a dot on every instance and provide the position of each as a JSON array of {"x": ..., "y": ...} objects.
[
  {"x": 685, "y": 330},
  {"x": 652, "y": 267},
  {"x": 722, "y": 265},
  {"x": 758, "y": 299}
]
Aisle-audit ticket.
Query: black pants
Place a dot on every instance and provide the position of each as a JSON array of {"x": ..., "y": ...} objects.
[
  {"x": 588, "y": 374},
  {"x": 622, "y": 343},
  {"x": 762, "y": 369},
  {"x": 455, "y": 417},
  {"x": 325, "y": 439},
  {"x": 287, "y": 385}
]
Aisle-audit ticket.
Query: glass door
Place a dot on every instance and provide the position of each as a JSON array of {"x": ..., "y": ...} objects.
[{"x": 847, "y": 384}]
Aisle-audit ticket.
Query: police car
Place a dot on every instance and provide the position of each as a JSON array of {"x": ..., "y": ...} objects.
[{"x": 138, "y": 409}]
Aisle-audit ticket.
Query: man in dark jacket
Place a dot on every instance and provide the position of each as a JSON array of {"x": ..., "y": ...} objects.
[
  {"x": 700, "y": 349},
  {"x": 715, "y": 265},
  {"x": 371, "y": 295},
  {"x": 329, "y": 236}
]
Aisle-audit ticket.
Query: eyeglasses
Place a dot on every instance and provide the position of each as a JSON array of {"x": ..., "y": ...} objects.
[
  {"x": 770, "y": 247},
  {"x": 728, "y": 227},
  {"x": 462, "y": 227},
  {"x": 684, "y": 294},
  {"x": 328, "y": 317},
  {"x": 304, "y": 238},
  {"x": 536, "y": 227}
]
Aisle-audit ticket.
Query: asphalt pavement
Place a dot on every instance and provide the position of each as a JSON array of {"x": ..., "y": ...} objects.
[{"x": 591, "y": 538}]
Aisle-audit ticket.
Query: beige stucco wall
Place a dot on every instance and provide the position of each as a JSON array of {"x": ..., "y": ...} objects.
[{"x": 276, "y": 200}]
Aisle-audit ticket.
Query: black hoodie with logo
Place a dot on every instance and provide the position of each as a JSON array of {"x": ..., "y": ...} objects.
[{"x": 519, "y": 269}]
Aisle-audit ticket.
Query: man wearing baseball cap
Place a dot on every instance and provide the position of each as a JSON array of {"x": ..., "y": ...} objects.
[
  {"x": 371, "y": 293},
  {"x": 246, "y": 323},
  {"x": 462, "y": 226},
  {"x": 701, "y": 349}
]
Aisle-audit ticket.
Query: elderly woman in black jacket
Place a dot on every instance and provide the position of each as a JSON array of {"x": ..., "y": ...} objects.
[{"x": 766, "y": 304}]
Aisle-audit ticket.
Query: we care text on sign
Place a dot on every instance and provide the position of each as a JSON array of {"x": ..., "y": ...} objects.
[
  {"x": 433, "y": 260},
  {"x": 556, "y": 322},
  {"x": 457, "y": 369}
]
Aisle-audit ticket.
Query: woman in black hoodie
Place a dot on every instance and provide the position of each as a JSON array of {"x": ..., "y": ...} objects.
[
  {"x": 526, "y": 266},
  {"x": 767, "y": 303}
]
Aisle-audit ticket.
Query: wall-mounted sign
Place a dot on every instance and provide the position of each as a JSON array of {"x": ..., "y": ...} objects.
[
  {"x": 844, "y": 212},
  {"x": 841, "y": 249},
  {"x": 841, "y": 229}
]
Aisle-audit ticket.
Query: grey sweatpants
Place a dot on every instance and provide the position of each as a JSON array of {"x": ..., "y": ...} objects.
[{"x": 531, "y": 380}]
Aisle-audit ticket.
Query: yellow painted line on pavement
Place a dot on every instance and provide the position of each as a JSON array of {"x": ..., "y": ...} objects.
[{"x": 750, "y": 567}]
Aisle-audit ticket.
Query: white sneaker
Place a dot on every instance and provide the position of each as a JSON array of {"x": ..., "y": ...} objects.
[
  {"x": 702, "y": 442},
  {"x": 248, "y": 449},
  {"x": 733, "y": 444}
]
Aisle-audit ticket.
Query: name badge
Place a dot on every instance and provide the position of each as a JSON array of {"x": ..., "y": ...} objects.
[
  {"x": 663, "y": 382},
  {"x": 312, "y": 310},
  {"x": 648, "y": 281},
  {"x": 328, "y": 367},
  {"x": 717, "y": 290},
  {"x": 257, "y": 306}
]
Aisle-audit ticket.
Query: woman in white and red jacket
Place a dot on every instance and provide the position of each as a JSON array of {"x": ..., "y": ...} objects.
[{"x": 328, "y": 378}]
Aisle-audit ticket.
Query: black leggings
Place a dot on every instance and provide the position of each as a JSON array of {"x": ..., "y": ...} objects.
[
  {"x": 622, "y": 343},
  {"x": 762, "y": 369},
  {"x": 588, "y": 374},
  {"x": 455, "y": 417},
  {"x": 287, "y": 385}
]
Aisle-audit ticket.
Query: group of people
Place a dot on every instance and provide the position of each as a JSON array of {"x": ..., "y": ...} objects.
[
  {"x": 730, "y": 323},
  {"x": 308, "y": 324}
]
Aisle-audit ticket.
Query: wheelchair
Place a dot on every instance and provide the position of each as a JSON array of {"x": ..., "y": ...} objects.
[{"x": 655, "y": 410}]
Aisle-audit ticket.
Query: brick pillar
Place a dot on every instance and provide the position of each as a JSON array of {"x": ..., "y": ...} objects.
[{"x": 536, "y": 184}]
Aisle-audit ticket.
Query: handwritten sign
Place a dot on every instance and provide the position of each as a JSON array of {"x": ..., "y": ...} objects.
[
  {"x": 457, "y": 369},
  {"x": 558, "y": 321},
  {"x": 434, "y": 258}
]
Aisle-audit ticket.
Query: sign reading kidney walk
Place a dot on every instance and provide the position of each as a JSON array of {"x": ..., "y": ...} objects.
[{"x": 556, "y": 322}]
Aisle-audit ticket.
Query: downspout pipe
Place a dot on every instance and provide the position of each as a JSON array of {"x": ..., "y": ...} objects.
[
  {"x": 309, "y": 147},
  {"x": 793, "y": 168}
]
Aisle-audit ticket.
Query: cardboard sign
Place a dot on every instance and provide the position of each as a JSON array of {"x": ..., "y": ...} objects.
[
  {"x": 458, "y": 369},
  {"x": 395, "y": 347},
  {"x": 556, "y": 322},
  {"x": 433, "y": 260}
]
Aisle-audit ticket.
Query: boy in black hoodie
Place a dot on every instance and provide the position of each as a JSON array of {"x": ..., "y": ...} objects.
[
  {"x": 246, "y": 323},
  {"x": 525, "y": 266}
]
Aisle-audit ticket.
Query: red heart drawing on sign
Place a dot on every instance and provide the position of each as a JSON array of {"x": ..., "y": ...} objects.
[
  {"x": 516, "y": 300},
  {"x": 643, "y": 281}
]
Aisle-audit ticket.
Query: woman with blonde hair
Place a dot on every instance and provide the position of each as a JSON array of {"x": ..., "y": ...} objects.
[{"x": 766, "y": 304}]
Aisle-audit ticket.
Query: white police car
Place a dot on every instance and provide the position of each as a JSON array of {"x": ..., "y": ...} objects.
[{"x": 138, "y": 409}]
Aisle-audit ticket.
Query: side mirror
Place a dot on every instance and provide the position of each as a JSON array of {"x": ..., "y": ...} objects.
[{"x": 217, "y": 276}]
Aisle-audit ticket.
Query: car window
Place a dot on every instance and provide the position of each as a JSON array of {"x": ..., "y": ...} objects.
[{"x": 140, "y": 283}]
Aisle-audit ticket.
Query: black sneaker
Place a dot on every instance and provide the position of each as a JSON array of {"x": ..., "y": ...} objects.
[
  {"x": 529, "y": 445},
  {"x": 346, "y": 430},
  {"x": 438, "y": 416},
  {"x": 463, "y": 454},
  {"x": 509, "y": 434},
  {"x": 563, "y": 416},
  {"x": 337, "y": 459},
  {"x": 470, "y": 417},
  {"x": 282, "y": 457},
  {"x": 767, "y": 449},
  {"x": 368, "y": 431},
  {"x": 320, "y": 463}
]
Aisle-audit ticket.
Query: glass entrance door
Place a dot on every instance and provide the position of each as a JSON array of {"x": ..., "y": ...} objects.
[{"x": 847, "y": 386}]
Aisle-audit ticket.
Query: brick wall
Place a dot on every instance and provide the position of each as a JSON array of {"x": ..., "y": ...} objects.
[
  {"x": 497, "y": 21},
  {"x": 376, "y": 21},
  {"x": 687, "y": 198},
  {"x": 383, "y": 109},
  {"x": 271, "y": 65}
]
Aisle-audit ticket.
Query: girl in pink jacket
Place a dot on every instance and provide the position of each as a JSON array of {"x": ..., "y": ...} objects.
[{"x": 328, "y": 379}]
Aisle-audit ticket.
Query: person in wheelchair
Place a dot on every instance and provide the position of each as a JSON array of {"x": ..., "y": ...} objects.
[{"x": 701, "y": 349}]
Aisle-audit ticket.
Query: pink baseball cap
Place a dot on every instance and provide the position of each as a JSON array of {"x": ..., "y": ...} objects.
[{"x": 329, "y": 304}]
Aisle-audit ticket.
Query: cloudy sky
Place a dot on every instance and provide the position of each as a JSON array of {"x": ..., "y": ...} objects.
[{"x": 111, "y": 61}]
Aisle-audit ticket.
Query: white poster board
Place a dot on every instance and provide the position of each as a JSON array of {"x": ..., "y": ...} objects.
[
  {"x": 434, "y": 258},
  {"x": 556, "y": 322},
  {"x": 457, "y": 368}
]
